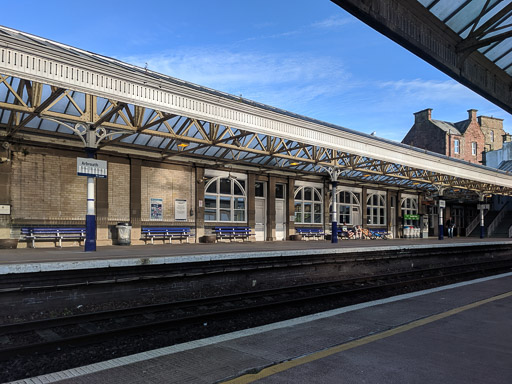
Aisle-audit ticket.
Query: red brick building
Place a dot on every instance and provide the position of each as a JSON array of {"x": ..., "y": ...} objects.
[{"x": 466, "y": 140}]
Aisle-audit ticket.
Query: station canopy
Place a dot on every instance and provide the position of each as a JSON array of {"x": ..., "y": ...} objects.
[{"x": 54, "y": 94}]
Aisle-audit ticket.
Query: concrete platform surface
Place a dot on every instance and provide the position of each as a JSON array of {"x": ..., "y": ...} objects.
[
  {"x": 47, "y": 259},
  {"x": 454, "y": 334}
]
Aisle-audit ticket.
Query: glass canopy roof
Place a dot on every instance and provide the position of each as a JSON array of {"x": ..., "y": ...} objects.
[{"x": 484, "y": 25}]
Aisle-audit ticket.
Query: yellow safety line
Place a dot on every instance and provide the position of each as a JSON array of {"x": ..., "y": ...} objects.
[{"x": 272, "y": 370}]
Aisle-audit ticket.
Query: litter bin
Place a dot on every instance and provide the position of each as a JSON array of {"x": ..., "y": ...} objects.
[{"x": 124, "y": 233}]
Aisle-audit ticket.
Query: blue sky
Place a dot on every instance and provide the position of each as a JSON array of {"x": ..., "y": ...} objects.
[{"x": 306, "y": 56}]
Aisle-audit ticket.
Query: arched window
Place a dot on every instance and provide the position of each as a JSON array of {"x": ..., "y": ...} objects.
[
  {"x": 308, "y": 205},
  {"x": 376, "y": 209},
  {"x": 492, "y": 136},
  {"x": 224, "y": 199},
  {"x": 409, "y": 206},
  {"x": 348, "y": 202}
]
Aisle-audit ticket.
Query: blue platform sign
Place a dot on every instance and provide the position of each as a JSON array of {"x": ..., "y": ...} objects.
[{"x": 91, "y": 167}]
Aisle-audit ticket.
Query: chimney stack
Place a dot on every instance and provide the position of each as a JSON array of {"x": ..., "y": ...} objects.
[
  {"x": 425, "y": 115},
  {"x": 472, "y": 114}
]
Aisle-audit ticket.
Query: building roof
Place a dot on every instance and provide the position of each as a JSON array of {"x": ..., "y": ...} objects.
[
  {"x": 506, "y": 166},
  {"x": 447, "y": 127}
]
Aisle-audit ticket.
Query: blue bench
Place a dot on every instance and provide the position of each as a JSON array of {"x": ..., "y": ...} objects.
[
  {"x": 233, "y": 233},
  {"x": 56, "y": 234},
  {"x": 164, "y": 233},
  {"x": 317, "y": 233}
]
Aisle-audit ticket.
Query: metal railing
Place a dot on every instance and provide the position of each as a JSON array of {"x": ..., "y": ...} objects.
[
  {"x": 471, "y": 227},
  {"x": 497, "y": 220}
]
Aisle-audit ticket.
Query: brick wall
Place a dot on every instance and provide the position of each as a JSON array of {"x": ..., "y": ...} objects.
[
  {"x": 489, "y": 124},
  {"x": 118, "y": 192},
  {"x": 46, "y": 188},
  {"x": 169, "y": 183}
]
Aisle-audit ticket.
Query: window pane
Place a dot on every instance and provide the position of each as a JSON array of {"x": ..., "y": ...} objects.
[
  {"x": 316, "y": 195},
  {"x": 239, "y": 215},
  {"x": 357, "y": 197},
  {"x": 225, "y": 202},
  {"x": 318, "y": 208},
  {"x": 237, "y": 190},
  {"x": 279, "y": 191},
  {"x": 239, "y": 203},
  {"x": 298, "y": 195},
  {"x": 225, "y": 186},
  {"x": 298, "y": 207},
  {"x": 225, "y": 215},
  {"x": 308, "y": 194},
  {"x": 210, "y": 202},
  {"x": 298, "y": 217},
  {"x": 258, "y": 190},
  {"x": 318, "y": 218},
  {"x": 209, "y": 215},
  {"x": 307, "y": 213},
  {"x": 212, "y": 188}
]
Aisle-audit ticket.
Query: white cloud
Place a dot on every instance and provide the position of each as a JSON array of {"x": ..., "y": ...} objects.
[
  {"x": 281, "y": 80},
  {"x": 428, "y": 90},
  {"x": 333, "y": 22}
]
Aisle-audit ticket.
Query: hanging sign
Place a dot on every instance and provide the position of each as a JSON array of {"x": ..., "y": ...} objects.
[
  {"x": 91, "y": 167},
  {"x": 442, "y": 204}
]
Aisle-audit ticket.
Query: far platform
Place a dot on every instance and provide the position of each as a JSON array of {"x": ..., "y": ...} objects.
[{"x": 47, "y": 259}]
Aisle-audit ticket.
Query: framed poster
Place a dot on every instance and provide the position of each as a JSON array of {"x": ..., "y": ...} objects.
[
  {"x": 180, "y": 210},
  {"x": 156, "y": 209}
]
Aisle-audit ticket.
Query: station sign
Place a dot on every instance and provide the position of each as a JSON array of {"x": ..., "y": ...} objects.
[
  {"x": 442, "y": 204},
  {"x": 411, "y": 217},
  {"x": 483, "y": 206},
  {"x": 91, "y": 167}
]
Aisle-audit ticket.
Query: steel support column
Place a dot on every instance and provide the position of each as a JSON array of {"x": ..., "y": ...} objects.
[{"x": 334, "y": 225}]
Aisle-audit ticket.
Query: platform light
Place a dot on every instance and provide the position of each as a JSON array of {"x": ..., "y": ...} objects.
[
  {"x": 182, "y": 144},
  {"x": 294, "y": 163}
]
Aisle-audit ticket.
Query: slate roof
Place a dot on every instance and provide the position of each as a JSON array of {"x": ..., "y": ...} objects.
[{"x": 506, "y": 166}]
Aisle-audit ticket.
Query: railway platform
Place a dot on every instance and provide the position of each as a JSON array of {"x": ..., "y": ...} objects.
[
  {"x": 453, "y": 334},
  {"x": 50, "y": 259}
]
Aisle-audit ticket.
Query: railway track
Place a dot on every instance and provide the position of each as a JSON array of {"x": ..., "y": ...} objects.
[{"x": 79, "y": 331}]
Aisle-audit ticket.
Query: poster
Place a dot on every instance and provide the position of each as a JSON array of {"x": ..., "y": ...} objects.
[
  {"x": 180, "y": 209},
  {"x": 156, "y": 209}
]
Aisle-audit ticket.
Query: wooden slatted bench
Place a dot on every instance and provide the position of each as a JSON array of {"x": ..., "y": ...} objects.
[
  {"x": 232, "y": 233},
  {"x": 164, "y": 233},
  {"x": 317, "y": 233},
  {"x": 55, "y": 234}
]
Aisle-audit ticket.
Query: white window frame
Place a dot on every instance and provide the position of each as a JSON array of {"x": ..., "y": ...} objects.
[
  {"x": 456, "y": 146},
  {"x": 345, "y": 209},
  {"x": 376, "y": 218},
  {"x": 302, "y": 204},
  {"x": 233, "y": 211},
  {"x": 473, "y": 148},
  {"x": 409, "y": 206}
]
